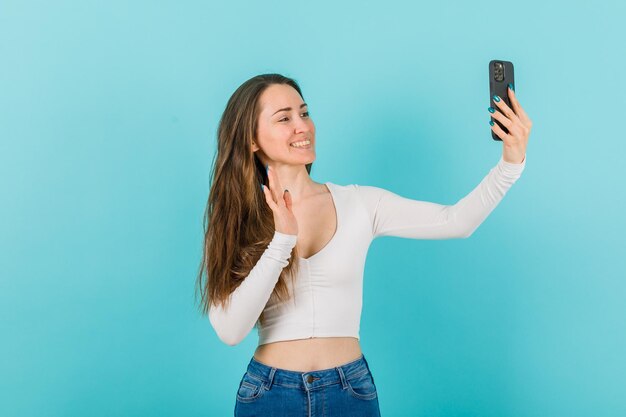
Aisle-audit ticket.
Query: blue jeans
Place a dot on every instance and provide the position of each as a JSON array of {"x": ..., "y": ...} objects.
[{"x": 346, "y": 390}]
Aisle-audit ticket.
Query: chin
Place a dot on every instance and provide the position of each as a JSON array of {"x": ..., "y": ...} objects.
[{"x": 309, "y": 160}]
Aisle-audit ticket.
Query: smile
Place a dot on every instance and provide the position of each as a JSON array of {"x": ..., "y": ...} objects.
[{"x": 304, "y": 144}]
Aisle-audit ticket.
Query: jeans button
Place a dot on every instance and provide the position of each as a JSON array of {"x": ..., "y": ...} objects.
[{"x": 310, "y": 379}]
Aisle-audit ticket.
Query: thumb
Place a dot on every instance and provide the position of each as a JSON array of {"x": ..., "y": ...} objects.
[{"x": 287, "y": 197}]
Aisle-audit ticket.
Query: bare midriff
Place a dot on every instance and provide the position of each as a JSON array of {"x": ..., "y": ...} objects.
[{"x": 307, "y": 355}]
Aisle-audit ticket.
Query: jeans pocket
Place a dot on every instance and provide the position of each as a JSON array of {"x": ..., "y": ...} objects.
[
  {"x": 362, "y": 386},
  {"x": 250, "y": 389}
]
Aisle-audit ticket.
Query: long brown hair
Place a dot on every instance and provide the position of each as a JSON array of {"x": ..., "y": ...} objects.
[{"x": 240, "y": 222}]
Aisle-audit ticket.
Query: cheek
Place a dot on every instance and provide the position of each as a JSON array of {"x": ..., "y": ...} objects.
[
  {"x": 278, "y": 140},
  {"x": 273, "y": 137}
]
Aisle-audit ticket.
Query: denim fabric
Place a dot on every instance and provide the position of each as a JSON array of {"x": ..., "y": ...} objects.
[{"x": 346, "y": 390}]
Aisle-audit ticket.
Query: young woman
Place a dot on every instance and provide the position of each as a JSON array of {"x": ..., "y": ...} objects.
[{"x": 286, "y": 253}]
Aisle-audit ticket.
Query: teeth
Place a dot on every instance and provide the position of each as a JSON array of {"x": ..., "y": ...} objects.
[{"x": 299, "y": 144}]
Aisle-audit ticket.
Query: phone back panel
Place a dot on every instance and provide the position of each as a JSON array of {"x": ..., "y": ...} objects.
[{"x": 499, "y": 79}]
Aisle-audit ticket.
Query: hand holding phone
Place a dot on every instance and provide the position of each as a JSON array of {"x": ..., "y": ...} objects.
[
  {"x": 500, "y": 75},
  {"x": 512, "y": 125}
]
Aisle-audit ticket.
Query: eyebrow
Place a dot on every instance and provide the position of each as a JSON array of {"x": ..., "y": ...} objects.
[{"x": 289, "y": 108}]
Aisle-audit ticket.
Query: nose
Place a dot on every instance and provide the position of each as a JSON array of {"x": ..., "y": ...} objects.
[{"x": 302, "y": 126}]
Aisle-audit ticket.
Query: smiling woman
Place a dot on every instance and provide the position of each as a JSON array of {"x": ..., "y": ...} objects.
[
  {"x": 290, "y": 124},
  {"x": 317, "y": 235}
]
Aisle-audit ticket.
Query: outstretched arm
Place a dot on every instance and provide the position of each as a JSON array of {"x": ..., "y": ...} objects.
[
  {"x": 394, "y": 215},
  {"x": 249, "y": 299}
]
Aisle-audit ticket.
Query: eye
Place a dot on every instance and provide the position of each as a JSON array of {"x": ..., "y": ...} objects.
[{"x": 286, "y": 118}]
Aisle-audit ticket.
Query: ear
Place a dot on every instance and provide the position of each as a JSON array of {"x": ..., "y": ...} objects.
[{"x": 254, "y": 147}]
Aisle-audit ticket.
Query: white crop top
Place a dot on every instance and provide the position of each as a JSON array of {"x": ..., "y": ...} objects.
[{"x": 329, "y": 285}]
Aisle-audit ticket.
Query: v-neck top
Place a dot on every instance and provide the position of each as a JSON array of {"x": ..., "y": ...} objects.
[{"x": 326, "y": 299}]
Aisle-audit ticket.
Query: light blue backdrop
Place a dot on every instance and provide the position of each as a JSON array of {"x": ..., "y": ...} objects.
[{"x": 108, "y": 116}]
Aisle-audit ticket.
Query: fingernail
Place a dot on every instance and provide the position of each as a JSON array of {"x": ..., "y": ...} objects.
[
  {"x": 491, "y": 109},
  {"x": 491, "y": 122},
  {"x": 496, "y": 98},
  {"x": 511, "y": 87}
]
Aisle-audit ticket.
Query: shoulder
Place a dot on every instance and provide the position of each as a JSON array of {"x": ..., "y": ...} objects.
[
  {"x": 367, "y": 195},
  {"x": 360, "y": 189},
  {"x": 353, "y": 188}
]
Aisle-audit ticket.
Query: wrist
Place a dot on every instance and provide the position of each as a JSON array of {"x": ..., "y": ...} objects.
[
  {"x": 513, "y": 156},
  {"x": 513, "y": 160}
]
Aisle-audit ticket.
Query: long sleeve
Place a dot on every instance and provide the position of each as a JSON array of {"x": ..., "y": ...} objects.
[
  {"x": 394, "y": 215},
  {"x": 249, "y": 299}
]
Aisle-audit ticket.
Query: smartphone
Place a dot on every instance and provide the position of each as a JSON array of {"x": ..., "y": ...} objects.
[{"x": 500, "y": 75}]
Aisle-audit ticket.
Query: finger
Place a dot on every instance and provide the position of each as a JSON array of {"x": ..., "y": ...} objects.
[
  {"x": 515, "y": 128},
  {"x": 288, "y": 201},
  {"x": 513, "y": 100},
  {"x": 272, "y": 183},
  {"x": 268, "y": 198},
  {"x": 501, "y": 118},
  {"x": 513, "y": 124},
  {"x": 506, "y": 138},
  {"x": 504, "y": 107},
  {"x": 518, "y": 108},
  {"x": 276, "y": 187}
]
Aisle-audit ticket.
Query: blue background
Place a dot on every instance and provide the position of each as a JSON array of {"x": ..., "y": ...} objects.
[{"x": 108, "y": 118}]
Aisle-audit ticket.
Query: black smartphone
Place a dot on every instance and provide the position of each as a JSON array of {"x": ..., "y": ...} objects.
[{"x": 500, "y": 75}]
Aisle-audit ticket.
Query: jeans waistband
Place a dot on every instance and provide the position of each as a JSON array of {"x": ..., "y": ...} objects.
[{"x": 307, "y": 380}]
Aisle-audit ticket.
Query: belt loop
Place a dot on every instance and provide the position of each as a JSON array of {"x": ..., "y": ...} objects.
[
  {"x": 271, "y": 378},
  {"x": 342, "y": 377},
  {"x": 368, "y": 368},
  {"x": 366, "y": 364}
]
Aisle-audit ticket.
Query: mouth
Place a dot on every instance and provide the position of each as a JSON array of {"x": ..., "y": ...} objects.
[{"x": 305, "y": 144}]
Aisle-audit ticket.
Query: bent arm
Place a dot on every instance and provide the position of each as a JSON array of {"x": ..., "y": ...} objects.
[
  {"x": 248, "y": 300},
  {"x": 394, "y": 215}
]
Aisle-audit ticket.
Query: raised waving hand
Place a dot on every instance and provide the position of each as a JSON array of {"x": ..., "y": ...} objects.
[{"x": 280, "y": 203}]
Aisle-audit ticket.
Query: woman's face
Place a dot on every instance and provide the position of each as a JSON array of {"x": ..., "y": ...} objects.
[{"x": 284, "y": 120}]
